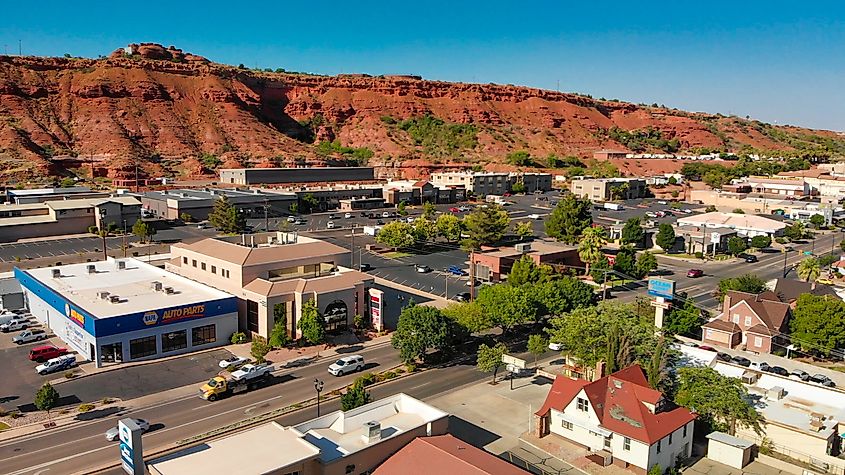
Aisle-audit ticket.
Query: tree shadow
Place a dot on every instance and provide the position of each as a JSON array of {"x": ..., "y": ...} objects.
[
  {"x": 99, "y": 413},
  {"x": 349, "y": 349},
  {"x": 300, "y": 362},
  {"x": 62, "y": 402}
]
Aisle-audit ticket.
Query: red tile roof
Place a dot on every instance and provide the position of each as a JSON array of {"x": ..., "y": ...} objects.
[
  {"x": 619, "y": 401},
  {"x": 447, "y": 455}
]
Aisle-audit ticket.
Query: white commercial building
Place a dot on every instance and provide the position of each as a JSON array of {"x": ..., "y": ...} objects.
[
  {"x": 127, "y": 310},
  {"x": 747, "y": 225}
]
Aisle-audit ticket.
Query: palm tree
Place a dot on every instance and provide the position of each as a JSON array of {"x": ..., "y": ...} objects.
[
  {"x": 589, "y": 249},
  {"x": 809, "y": 269}
]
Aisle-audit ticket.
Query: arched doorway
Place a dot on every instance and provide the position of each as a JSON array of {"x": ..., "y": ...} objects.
[{"x": 336, "y": 316}]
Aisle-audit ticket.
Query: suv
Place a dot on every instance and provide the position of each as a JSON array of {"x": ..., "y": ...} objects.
[
  {"x": 693, "y": 273},
  {"x": 46, "y": 352},
  {"x": 347, "y": 364},
  {"x": 456, "y": 270},
  {"x": 462, "y": 296},
  {"x": 820, "y": 379},
  {"x": 799, "y": 374}
]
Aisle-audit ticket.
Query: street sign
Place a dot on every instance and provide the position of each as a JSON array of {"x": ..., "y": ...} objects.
[
  {"x": 661, "y": 288},
  {"x": 131, "y": 451},
  {"x": 514, "y": 361},
  {"x": 664, "y": 305}
]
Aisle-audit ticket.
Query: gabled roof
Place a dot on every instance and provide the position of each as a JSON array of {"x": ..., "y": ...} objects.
[
  {"x": 761, "y": 330},
  {"x": 722, "y": 325},
  {"x": 771, "y": 311},
  {"x": 788, "y": 290},
  {"x": 619, "y": 400},
  {"x": 445, "y": 454}
]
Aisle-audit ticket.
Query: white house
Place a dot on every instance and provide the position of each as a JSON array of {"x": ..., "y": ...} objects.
[
  {"x": 620, "y": 419},
  {"x": 747, "y": 225}
]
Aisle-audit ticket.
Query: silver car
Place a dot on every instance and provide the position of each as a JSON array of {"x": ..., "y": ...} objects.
[{"x": 112, "y": 434}]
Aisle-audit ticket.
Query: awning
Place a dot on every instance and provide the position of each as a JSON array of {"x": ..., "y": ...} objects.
[{"x": 585, "y": 425}]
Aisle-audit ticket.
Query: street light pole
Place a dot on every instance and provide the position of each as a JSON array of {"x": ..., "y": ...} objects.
[
  {"x": 784, "y": 263},
  {"x": 318, "y": 386},
  {"x": 124, "y": 238},
  {"x": 266, "y": 222},
  {"x": 352, "y": 246}
]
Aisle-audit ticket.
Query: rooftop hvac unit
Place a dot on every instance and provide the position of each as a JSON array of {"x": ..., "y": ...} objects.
[
  {"x": 121, "y": 265},
  {"x": 775, "y": 393},
  {"x": 169, "y": 290},
  {"x": 56, "y": 273},
  {"x": 92, "y": 269},
  {"x": 156, "y": 285},
  {"x": 114, "y": 298},
  {"x": 372, "y": 431},
  {"x": 523, "y": 247},
  {"x": 103, "y": 295}
]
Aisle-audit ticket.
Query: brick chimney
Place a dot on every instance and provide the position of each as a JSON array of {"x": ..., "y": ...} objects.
[{"x": 726, "y": 304}]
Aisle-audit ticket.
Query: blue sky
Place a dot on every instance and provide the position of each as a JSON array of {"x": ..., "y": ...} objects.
[{"x": 777, "y": 61}]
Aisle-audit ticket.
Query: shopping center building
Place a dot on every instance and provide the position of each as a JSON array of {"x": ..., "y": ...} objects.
[{"x": 146, "y": 312}]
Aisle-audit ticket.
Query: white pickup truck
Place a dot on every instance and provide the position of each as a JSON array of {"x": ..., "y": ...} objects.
[
  {"x": 29, "y": 336},
  {"x": 251, "y": 371}
]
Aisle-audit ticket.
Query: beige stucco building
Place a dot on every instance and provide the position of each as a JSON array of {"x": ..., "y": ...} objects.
[{"x": 274, "y": 275}]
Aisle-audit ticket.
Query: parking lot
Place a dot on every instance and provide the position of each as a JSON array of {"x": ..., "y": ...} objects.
[{"x": 20, "y": 381}]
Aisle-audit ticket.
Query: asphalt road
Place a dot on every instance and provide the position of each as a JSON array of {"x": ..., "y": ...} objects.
[{"x": 74, "y": 448}]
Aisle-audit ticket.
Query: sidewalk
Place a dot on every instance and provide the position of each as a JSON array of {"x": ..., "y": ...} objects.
[
  {"x": 293, "y": 357},
  {"x": 434, "y": 300}
]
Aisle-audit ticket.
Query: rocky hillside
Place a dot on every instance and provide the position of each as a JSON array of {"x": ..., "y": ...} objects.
[{"x": 179, "y": 114}]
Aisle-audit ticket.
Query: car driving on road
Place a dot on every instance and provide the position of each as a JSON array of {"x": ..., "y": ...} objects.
[
  {"x": 347, "y": 364},
  {"x": 233, "y": 362},
  {"x": 694, "y": 273}
]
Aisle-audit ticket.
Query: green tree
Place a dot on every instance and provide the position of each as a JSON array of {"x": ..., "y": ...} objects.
[
  {"x": 469, "y": 316},
  {"x": 396, "y": 234},
  {"x": 809, "y": 269},
  {"x": 225, "y": 217},
  {"x": 308, "y": 203},
  {"x": 600, "y": 268},
  {"x": 421, "y": 328},
  {"x": 537, "y": 345},
  {"x": 672, "y": 180},
  {"x": 818, "y": 323},
  {"x": 259, "y": 349},
  {"x": 143, "y": 230},
  {"x": 655, "y": 469},
  {"x": 817, "y": 220},
  {"x": 685, "y": 319},
  {"x": 449, "y": 226},
  {"x": 523, "y": 229},
  {"x": 294, "y": 208},
  {"x": 632, "y": 232},
  {"x": 626, "y": 261},
  {"x": 736, "y": 246},
  {"x": 658, "y": 365},
  {"x": 590, "y": 246},
  {"x": 400, "y": 208},
  {"x": 710, "y": 209},
  {"x": 518, "y": 187},
  {"x": 429, "y": 210},
  {"x": 186, "y": 218},
  {"x": 795, "y": 231},
  {"x": 748, "y": 283},
  {"x": 507, "y": 305},
  {"x": 424, "y": 229},
  {"x": 520, "y": 158},
  {"x": 563, "y": 295},
  {"x": 721, "y": 402},
  {"x": 312, "y": 324},
  {"x": 46, "y": 398},
  {"x": 489, "y": 358},
  {"x": 570, "y": 218},
  {"x": 526, "y": 271},
  {"x": 842, "y": 245},
  {"x": 279, "y": 333},
  {"x": 761, "y": 242},
  {"x": 354, "y": 396},
  {"x": 646, "y": 262},
  {"x": 665, "y": 237},
  {"x": 486, "y": 225},
  {"x": 738, "y": 211}
]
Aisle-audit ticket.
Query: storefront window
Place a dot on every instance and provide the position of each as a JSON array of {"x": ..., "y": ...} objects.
[
  {"x": 142, "y": 347},
  {"x": 111, "y": 353},
  {"x": 174, "y": 341},
  {"x": 203, "y": 335}
]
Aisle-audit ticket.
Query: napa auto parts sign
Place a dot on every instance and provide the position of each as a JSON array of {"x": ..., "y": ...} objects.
[{"x": 174, "y": 314}]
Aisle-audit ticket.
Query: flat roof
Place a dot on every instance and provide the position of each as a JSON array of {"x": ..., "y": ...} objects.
[
  {"x": 189, "y": 194},
  {"x": 133, "y": 285},
  {"x": 90, "y": 202},
  {"x": 9, "y": 206},
  {"x": 729, "y": 440},
  {"x": 537, "y": 247},
  {"x": 264, "y": 449},
  {"x": 48, "y": 191},
  {"x": 732, "y": 220},
  {"x": 241, "y": 251},
  {"x": 23, "y": 220},
  {"x": 282, "y": 169}
]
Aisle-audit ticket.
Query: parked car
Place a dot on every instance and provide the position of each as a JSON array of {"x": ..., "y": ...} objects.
[
  {"x": 819, "y": 378},
  {"x": 706, "y": 348},
  {"x": 693, "y": 273},
  {"x": 762, "y": 366},
  {"x": 233, "y": 362},
  {"x": 472, "y": 283},
  {"x": 799, "y": 374},
  {"x": 56, "y": 364},
  {"x": 385, "y": 215},
  {"x": 330, "y": 225},
  {"x": 202, "y": 226},
  {"x": 410, "y": 219},
  {"x": 380, "y": 222},
  {"x": 555, "y": 346},
  {"x": 534, "y": 216},
  {"x": 364, "y": 267},
  {"x": 463, "y": 208},
  {"x": 750, "y": 258},
  {"x": 723, "y": 356},
  {"x": 455, "y": 270},
  {"x": 454, "y": 210},
  {"x": 824, "y": 281},
  {"x": 332, "y": 216},
  {"x": 112, "y": 434},
  {"x": 741, "y": 360},
  {"x": 14, "y": 324},
  {"x": 43, "y": 353},
  {"x": 779, "y": 371},
  {"x": 462, "y": 296},
  {"x": 347, "y": 216},
  {"x": 29, "y": 336},
  {"x": 423, "y": 269},
  {"x": 691, "y": 344},
  {"x": 298, "y": 221},
  {"x": 347, "y": 364}
]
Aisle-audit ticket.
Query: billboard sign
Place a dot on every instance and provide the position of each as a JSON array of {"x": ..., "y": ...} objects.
[
  {"x": 131, "y": 451},
  {"x": 376, "y": 307},
  {"x": 661, "y": 288}
]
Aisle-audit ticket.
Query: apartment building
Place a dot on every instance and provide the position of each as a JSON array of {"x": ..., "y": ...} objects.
[
  {"x": 609, "y": 189},
  {"x": 478, "y": 183}
]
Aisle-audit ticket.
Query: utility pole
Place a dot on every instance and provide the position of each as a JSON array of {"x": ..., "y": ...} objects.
[
  {"x": 352, "y": 247},
  {"x": 266, "y": 208},
  {"x": 124, "y": 238},
  {"x": 471, "y": 274},
  {"x": 136, "y": 175}
]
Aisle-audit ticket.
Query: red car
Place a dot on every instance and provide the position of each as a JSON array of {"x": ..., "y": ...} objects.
[
  {"x": 693, "y": 273},
  {"x": 454, "y": 210},
  {"x": 707, "y": 348},
  {"x": 46, "y": 352},
  {"x": 506, "y": 194}
]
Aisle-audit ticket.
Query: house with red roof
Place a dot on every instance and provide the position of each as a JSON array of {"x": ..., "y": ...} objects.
[
  {"x": 619, "y": 419},
  {"x": 753, "y": 322},
  {"x": 445, "y": 454}
]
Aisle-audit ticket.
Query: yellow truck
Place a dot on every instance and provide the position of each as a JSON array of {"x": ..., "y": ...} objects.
[{"x": 219, "y": 387}]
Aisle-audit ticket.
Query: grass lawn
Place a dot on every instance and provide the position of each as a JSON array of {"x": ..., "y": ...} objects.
[{"x": 396, "y": 254}]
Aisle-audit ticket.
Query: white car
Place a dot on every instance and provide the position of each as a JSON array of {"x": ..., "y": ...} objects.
[
  {"x": 234, "y": 362},
  {"x": 291, "y": 219},
  {"x": 555, "y": 346},
  {"x": 385, "y": 214},
  {"x": 411, "y": 219},
  {"x": 112, "y": 434},
  {"x": 347, "y": 216},
  {"x": 14, "y": 324},
  {"x": 330, "y": 225},
  {"x": 533, "y": 216},
  {"x": 463, "y": 208},
  {"x": 56, "y": 364},
  {"x": 347, "y": 364},
  {"x": 252, "y": 371}
]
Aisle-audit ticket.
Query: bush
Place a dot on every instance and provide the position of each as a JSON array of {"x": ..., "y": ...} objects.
[
  {"x": 93, "y": 229},
  {"x": 70, "y": 375},
  {"x": 15, "y": 415},
  {"x": 390, "y": 375},
  {"x": 368, "y": 379},
  {"x": 86, "y": 407},
  {"x": 410, "y": 367},
  {"x": 107, "y": 400},
  {"x": 238, "y": 337},
  {"x": 186, "y": 218},
  {"x": 780, "y": 240},
  {"x": 699, "y": 255}
]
